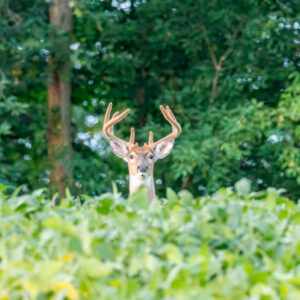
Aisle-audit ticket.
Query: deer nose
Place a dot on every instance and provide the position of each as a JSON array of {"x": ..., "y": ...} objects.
[{"x": 142, "y": 169}]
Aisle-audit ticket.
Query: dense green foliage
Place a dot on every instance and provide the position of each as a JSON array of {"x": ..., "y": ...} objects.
[
  {"x": 232, "y": 245},
  {"x": 230, "y": 72},
  {"x": 140, "y": 54}
]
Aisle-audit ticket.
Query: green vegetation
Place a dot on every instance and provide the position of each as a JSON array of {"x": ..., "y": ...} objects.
[
  {"x": 228, "y": 69},
  {"x": 232, "y": 245}
]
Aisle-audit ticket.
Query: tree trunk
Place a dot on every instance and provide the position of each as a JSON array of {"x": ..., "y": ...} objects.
[{"x": 59, "y": 95}]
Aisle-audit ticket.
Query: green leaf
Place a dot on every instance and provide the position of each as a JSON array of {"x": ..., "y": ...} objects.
[
  {"x": 171, "y": 196},
  {"x": 186, "y": 196},
  {"x": 296, "y": 218},
  {"x": 243, "y": 186},
  {"x": 271, "y": 200},
  {"x": 139, "y": 198},
  {"x": 68, "y": 194},
  {"x": 92, "y": 267},
  {"x": 283, "y": 214},
  {"x": 173, "y": 254}
]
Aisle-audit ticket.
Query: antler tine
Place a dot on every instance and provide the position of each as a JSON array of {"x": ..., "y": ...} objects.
[
  {"x": 109, "y": 123},
  {"x": 150, "y": 138},
  {"x": 166, "y": 114},
  {"x": 173, "y": 120},
  {"x": 171, "y": 113},
  {"x": 176, "y": 129},
  {"x": 111, "y": 129},
  {"x": 132, "y": 136},
  {"x": 107, "y": 113}
]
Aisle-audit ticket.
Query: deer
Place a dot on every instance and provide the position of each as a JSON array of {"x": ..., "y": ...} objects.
[{"x": 140, "y": 160}]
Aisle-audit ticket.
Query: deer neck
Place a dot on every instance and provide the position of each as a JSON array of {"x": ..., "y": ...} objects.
[{"x": 136, "y": 181}]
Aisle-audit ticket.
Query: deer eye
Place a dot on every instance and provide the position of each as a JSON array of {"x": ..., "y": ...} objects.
[
  {"x": 131, "y": 156},
  {"x": 151, "y": 156}
]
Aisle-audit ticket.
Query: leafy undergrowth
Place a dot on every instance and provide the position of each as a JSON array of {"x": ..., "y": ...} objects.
[{"x": 226, "y": 246}]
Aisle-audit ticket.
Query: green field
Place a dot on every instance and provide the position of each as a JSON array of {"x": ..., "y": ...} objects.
[{"x": 227, "y": 246}]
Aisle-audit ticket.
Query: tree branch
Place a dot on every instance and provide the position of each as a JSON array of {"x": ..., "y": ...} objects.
[
  {"x": 209, "y": 46},
  {"x": 214, "y": 87},
  {"x": 218, "y": 62}
]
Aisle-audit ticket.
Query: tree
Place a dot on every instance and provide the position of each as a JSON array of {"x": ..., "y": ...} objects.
[
  {"x": 59, "y": 95},
  {"x": 222, "y": 66}
]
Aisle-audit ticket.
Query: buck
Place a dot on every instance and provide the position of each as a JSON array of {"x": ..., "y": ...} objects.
[{"x": 140, "y": 160}]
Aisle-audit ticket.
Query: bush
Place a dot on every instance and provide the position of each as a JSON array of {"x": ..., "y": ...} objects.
[{"x": 226, "y": 246}]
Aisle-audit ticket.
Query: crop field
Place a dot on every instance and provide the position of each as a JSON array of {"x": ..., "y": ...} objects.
[{"x": 226, "y": 246}]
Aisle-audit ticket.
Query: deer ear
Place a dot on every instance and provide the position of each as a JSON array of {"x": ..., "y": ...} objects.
[
  {"x": 118, "y": 148},
  {"x": 163, "y": 149}
]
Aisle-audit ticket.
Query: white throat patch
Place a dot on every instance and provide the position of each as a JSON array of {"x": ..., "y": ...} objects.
[{"x": 140, "y": 180}]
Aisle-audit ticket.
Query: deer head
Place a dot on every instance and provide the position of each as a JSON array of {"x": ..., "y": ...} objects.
[{"x": 140, "y": 160}]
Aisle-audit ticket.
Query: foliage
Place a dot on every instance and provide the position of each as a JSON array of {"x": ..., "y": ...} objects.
[
  {"x": 232, "y": 245},
  {"x": 140, "y": 54}
]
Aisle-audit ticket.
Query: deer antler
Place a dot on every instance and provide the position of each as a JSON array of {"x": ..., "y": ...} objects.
[
  {"x": 108, "y": 125},
  {"x": 176, "y": 129}
]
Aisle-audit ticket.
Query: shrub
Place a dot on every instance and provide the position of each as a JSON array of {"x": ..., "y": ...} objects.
[{"x": 225, "y": 246}]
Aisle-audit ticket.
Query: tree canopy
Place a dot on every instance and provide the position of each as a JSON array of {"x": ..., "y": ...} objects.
[{"x": 228, "y": 69}]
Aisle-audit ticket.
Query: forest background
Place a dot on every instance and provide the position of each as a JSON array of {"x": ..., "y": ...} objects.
[{"x": 228, "y": 69}]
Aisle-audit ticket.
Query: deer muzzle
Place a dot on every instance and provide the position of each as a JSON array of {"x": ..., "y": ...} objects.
[{"x": 143, "y": 168}]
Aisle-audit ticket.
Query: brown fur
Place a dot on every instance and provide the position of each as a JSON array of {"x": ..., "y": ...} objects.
[{"x": 140, "y": 154}]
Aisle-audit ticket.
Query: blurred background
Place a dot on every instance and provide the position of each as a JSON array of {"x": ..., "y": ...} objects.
[{"x": 229, "y": 70}]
